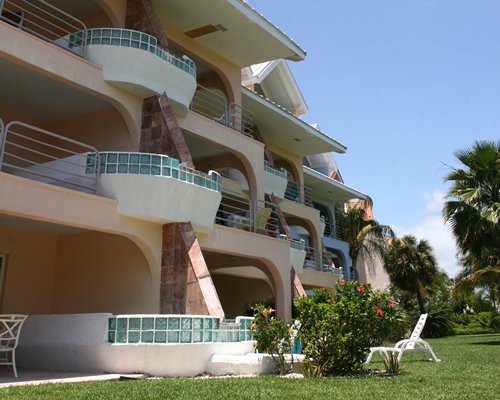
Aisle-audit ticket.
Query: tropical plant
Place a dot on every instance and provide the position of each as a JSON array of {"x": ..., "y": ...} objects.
[
  {"x": 365, "y": 236},
  {"x": 411, "y": 266},
  {"x": 337, "y": 330},
  {"x": 473, "y": 210},
  {"x": 391, "y": 364},
  {"x": 273, "y": 337}
]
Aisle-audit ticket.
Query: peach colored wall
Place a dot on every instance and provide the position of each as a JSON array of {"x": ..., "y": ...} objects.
[
  {"x": 228, "y": 72},
  {"x": 115, "y": 10},
  {"x": 236, "y": 294},
  {"x": 98, "y": 272},
  {"x": 104, "y": 129},
  {"x": 97, "y": 19},
  {"x": 30, "y": 269}
]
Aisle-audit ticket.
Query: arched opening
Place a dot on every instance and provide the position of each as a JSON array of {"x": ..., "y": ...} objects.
[
  {"x": 241, "y": 282},
  {"x": 59, "y": 269}
]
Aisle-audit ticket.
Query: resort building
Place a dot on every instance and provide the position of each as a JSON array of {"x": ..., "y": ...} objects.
[{"x": 153, "y": 161}]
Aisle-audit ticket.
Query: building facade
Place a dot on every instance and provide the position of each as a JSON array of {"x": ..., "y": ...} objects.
[{"x": 153, "y": 161}]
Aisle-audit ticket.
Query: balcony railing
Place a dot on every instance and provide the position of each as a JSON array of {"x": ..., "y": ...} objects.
[
  {"x": 136, "y": 163},
  {"x": 43, "y": 20},
  {"x": 282, "y": 172},
  {"x": 333, "y": 231},
  {"x": 299, "y": 194},
  {"x": 213, "y": 105},
  {"x": 234, "y": 211},
  {"x": 44, "y": 156},
  {"x": 132, "y": 39},
  {"x": 240, "y": 213}
]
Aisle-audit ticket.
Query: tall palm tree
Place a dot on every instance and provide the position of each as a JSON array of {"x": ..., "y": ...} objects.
[
  {"x": 365, "y": 236},
  {"x": 411, "y": 266},
  {"x": 473, "y": 211}
]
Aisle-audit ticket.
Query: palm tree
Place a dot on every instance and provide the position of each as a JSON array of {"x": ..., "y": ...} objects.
[
  {"x": 411, "y": 266},
  {"x": 473, "y": 211},
  {"x": 365, "y": 236}
]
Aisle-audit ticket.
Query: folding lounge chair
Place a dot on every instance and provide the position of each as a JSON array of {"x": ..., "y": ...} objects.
[
  {"x": 10, "y": 330},
  {"x": 413, "y": 344}
]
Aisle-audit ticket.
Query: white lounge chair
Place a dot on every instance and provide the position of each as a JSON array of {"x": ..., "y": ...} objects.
[
  {"x": 413, "y": 344},
  {"x": 10, "y": 329}
]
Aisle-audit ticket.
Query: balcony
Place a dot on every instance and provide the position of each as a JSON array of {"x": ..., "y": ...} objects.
[
  {"x": 297, "y": 254},
  {"x": 158, "y": 188},
  {"x": 133, "y": 61},
  {"x": 43, "y": 20},
  {"x": 213, "y": 105},
  {"x": 151, "y": 187},
  {"x": 275, "y": 180}
]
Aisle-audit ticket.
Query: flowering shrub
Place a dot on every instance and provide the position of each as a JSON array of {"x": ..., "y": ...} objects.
[
  {"x": 337, "y": 331},
  {"x": 273, "y": 336}
]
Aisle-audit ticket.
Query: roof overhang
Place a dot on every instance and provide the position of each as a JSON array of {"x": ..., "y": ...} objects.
[
  {"x": 282, "y": 128},
  {"x": 330, "y": 189},
  {"x": 230, "y": 28},
  {"x": 277, "y": 83}
]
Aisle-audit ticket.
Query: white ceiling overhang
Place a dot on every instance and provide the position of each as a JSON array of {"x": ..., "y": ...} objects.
[
  {"x": 230, "y": 28},
  {"x": 282, "y": 128},
  {"x": 327, "y": 188}
]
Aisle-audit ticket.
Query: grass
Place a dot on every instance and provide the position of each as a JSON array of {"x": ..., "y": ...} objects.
[{"x": 470, "y": 369}]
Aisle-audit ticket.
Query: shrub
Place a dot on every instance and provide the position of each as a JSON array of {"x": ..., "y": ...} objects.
[
  {"x": 391, "y": 364},
  {"x": 337, "y": 331},
  {"x": 273, "y": 336}
]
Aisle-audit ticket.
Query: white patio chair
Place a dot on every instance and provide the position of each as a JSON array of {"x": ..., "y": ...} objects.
[
  {"x": 413, "y": 344},
  {"x": 10, "y": 329}
]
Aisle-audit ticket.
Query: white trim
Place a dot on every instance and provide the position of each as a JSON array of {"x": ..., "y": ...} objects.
[
  {"x": 337, "y": 184},
  {"x": 269, "y": 27},
  {"x": 339, "y": 147}
]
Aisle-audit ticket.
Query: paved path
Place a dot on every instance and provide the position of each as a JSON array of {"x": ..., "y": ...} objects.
[{"x": 34, "y": 377}]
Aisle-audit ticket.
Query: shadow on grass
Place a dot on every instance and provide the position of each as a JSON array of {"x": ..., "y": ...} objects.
[{"x": 492, "y": 343}]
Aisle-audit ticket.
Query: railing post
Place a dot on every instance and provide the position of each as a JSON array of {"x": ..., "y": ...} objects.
[{"x": 1, "y": 7}]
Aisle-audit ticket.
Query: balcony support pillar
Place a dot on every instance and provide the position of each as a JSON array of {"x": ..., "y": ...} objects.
[
  {"x": 186, "y": 284},
  {"x": 141, "y": 16}
]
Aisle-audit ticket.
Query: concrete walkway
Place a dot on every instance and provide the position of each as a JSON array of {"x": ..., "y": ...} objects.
[{"x": 34, "y": 377}]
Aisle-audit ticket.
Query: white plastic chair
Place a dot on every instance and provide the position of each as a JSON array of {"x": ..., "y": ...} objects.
[
  {"x": 413, "y": 344},
  {"x": 10, "y": 329}
]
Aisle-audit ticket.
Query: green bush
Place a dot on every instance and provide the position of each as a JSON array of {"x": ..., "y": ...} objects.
[
  {"x": 273, "y": 337},
  {"x": 475, "y": 324},
  {"x": 337, "y": 331}
]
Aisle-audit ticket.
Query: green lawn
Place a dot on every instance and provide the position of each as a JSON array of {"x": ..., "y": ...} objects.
[{"x": 470, "y": 369}]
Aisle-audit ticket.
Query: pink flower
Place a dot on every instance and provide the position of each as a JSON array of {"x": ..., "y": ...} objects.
[
  {"x": 361, "y": 289},
  {"x": 342, "y": 282},
  {"x": 379, "y": 311},
  {"x": 391, "y": 304}
]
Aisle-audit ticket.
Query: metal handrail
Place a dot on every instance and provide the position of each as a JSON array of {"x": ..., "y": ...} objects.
[
  {"x": 234, "y": 211},
  {"x": 38, "y": 154},
  {"x": 134, "y": 39},
  {"x": 43, "y": 20},
  {"x": 212, "y": 105},
  {"x": 299, "y": 194}
]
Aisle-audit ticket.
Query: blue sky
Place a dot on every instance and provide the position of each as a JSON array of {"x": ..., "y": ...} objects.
[{"x": 402, "y": 84}]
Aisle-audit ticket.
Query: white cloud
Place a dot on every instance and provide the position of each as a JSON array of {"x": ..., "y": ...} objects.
[
  {"x": 434, "y": 201},
  {"x": 433, "y": 229}
]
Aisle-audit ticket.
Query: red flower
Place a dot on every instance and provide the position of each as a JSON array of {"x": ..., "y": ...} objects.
[
  {"x": 379, "y": 311},
  {"x": 361, "y": 289},
  {"x": 391, "y": 304},
  {"x": 342, "y": 282}
]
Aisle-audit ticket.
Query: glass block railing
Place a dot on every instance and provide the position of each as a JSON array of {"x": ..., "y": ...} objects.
[
  {"x": 133, "y": 39},
  {"x": 294, "y": 244},
  {"x": 152, "y": 164},
  {"x": 278, "y": 172},
  {"x": 176, "y": 329}
]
